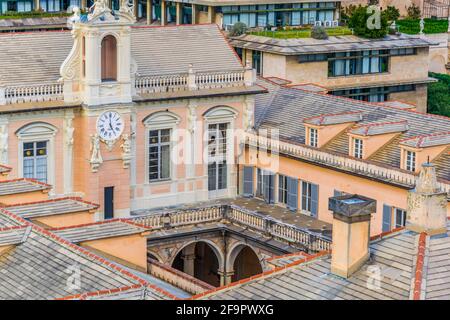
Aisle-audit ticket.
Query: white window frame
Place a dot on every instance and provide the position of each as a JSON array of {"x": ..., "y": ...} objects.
[
  {"x": 308, "y": 197},
  {"x": 283, "y": 190},
  {"x": 217, "y": 115},
  {"x": 34, "y": 132},
  {"x": 161, "y": 120},
  {"x": 313, "y": 137},
  {"x": 410, "y": 160},
  {"x": 358, "y": 146},
  {"x": 402, "y": 223}
]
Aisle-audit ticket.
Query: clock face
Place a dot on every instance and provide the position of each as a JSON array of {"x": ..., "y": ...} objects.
[{"x": 110, "y": 125}]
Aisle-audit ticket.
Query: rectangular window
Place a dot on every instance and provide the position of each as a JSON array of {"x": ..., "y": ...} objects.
[
  {"x": 357, "y": 148},
  {"x": 400, "y": 217},
  {"x": 265, "y": 185},
  {"x": 159, "y": 154},
  {"x": 257, "y": 59},
  {"x": 410, "y": 161},
  {"x": 313, "y": 139},
  {"x": 35, "y": 160},
  {"x": 357, "y": 62},
  {"x": 309, "y": 198},
  {"x": 217, "y": 156},
  {"x": 282, "y": 189}
]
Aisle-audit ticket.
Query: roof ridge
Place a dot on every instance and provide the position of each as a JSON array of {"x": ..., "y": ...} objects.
[
  {"x": 288, "y": 255},
  {"x": 263, "y": 274},
  {"x": 418, "y": 275},
  {"x": 390, "y": 233},
  {"x": 88, "y": 224},
  {"x": 434, "y": 134},
  {"x": 79, "y": 199},
  {"x": 27, "y": 180}
]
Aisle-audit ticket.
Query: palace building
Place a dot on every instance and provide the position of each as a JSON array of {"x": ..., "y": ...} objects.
[{"x": 156, "y": 161}]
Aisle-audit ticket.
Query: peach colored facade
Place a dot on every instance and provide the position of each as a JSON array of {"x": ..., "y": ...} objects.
[
  {"x": 65, "y": 220},
  {"x": 329, "y": 181}
]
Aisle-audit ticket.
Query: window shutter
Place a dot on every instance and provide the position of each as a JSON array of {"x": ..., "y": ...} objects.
[
  {"x": 314, "y": 199},
  {"x": 266, "y": 183},
  {"x": 387, "y": 217},
  {"x": 272, "y": 188},
  {"x": 248, "y": 181},
  {"x": 292, "y": 193}
]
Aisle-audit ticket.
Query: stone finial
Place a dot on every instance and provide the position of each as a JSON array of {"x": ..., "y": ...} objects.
[
  {"x": 427, "y": 204},
  {"x": 427, "y": 182}
]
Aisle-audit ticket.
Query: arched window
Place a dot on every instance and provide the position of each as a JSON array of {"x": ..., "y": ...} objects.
[{"x": 109, "y": 58}]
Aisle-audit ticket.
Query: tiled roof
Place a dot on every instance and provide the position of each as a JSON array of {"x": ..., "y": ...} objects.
[
  {"x": 286, "y": 108},
  {"x": 310, "y": 87},
  {"x": 51, "y": 207},
  {"x": 22, "y": 185},
  {"x": 40, "y": 266},
  {"x": 286, "y": 259},
  {"x": 428, "y": 140},
  {"x": 151, "y": 47},
  {"x": 397, "y": 104},
  {"x": 335, "y": 118},
  {"x": 373, "y": 129},
  {"x": 14, "y": 235},
  {"x": 394, "y": 256},
  {"x": 332, "y": 44},
  {"x": 99, "y": 230},
  {"x": 33, "y": 23}
]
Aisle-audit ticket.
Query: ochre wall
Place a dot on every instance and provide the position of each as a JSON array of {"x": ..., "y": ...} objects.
[
  {"x": 330, "y": 180},
  {"x": 130, "y": 250},
  {"x": 64, "y": 220}
]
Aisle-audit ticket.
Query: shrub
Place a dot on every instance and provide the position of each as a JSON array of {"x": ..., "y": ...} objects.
[
  {"x": 392, "y": 13},
  {"x": 358, "y": 21},
  {"x": 238, "y": 29},
  {"x": 318, "y": 32},
  {"x": 412, "y": 26},
  {"x": 414, "y": 12},
  {"x": 439, "y": 95}
]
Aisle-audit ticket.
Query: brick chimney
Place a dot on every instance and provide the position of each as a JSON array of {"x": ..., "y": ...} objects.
[
  {"x": 427, "y": 204},
  {"x": 351, "y": 232}
]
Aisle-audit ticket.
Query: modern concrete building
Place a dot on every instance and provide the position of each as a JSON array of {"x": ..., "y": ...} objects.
[{"x": 364, "y": 69}]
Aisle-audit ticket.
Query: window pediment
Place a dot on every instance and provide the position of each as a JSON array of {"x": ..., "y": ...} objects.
[
  {"x": 220, "y": 112},
  {"x": 161, "y": 118},
  {"x": 37, "y": 129}
]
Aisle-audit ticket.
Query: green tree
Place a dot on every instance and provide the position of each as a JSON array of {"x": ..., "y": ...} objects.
[
  {"x": 439, "y": 95},
  {"x": 238, "y": 29},
  {"x": 392, "y": 13},
  {"x": 368, "y": 23},
  {"x": 318, "y": 32}
]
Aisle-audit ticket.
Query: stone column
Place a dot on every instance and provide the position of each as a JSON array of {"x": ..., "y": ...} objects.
[
  {"x": 37, "y": 4},
  {"x": 211, "y": 14},
  {"x": 83, "y": 4},
  {"x": 163, "y": 13},
  {"x": 136, "y": 8},
  {"x": 68, "y": 152},
  {"x": 194, "y": 14},
  {"x": 225, "y": 277},
  {"x": 188, "y": 263},
  {"x": 179, "y": 12},
  {"x": 149, "y": 12}
]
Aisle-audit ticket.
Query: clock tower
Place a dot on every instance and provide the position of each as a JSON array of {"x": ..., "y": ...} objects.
[{"x": 98, "y": 74}]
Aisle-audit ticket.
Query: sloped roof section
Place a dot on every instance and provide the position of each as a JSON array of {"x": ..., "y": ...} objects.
[
  {"x": 332, "y": 44},
  {"x": 374, "y": 129},
  {"x": 99, "y": 230},
  {"x": 51, "y": 207},
  {"x": 29, "y": 58},
  {"x": 336, "y": 118},
  {"x": 428, "y": 140},
  {"x": 4, "y": 169},
  {"x": 22, "y": 185}
]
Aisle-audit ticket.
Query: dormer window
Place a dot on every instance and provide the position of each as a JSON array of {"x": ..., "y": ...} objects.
[
  {"x": 410, "y": 161},
  {"x": 357, "y": 148},
  {"x": 109, "y": 59},
  {"x": 313, "y": 137}
]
